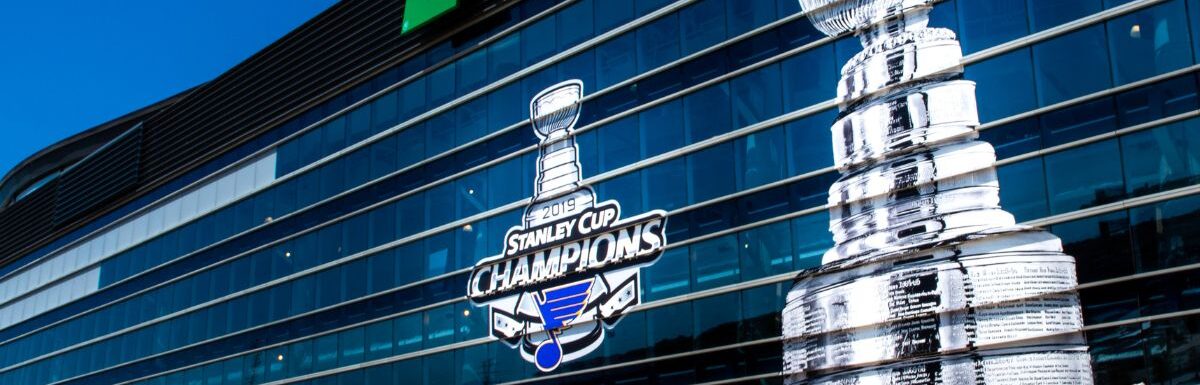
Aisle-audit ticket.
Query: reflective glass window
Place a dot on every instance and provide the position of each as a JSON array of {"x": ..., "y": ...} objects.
[
  {"x": 619, "y": 143},
  {"x": 610, "y": 14},
  {"x": 439, "y": 326},
  {"x": 765, "y": 250},
  {"x": 1004, "y": 85},
  {"x": 658, "y": 42},
  {"x": 440, "y": 369},
  {"x": 1084, "y": 177},
  {"x": 1149, "y": 42},
  {"x": 408, "y": 334},
  {"x": 761, "y": 158},
  {"x": 379, "y": 340},
  {"x": 626, "y": 189},
  {"x": 665, "y": 185},
  {"x": 669, "y": 276},
  {"x": 538, "y": 41},
  {"x": 472, "y": 71},
  {"x": 809, "y": 78},
  {"x": 717, "y": 320},
  {"x": 706, "y": 112},
  {"x": 761, "y": 317},
  {"x": 1100, "y": 245},
  {"x": 1078, "y": 122},
  {"x": 1166, "y": 234},
  {"x": 714, "y": 263},
  {"x": 350, "y": 346},
  {"x": 1045, "y": 14},
  {"x": 1023, "y": 189},
  {"x": 811, "y": 236},
  {"x": 810, "y": 143},
  {"x": 983, "y": 24},
  {"x": 616, "y": 60},
  {"x": 745, "y": 15},
  {"x": 505, "y": 107},
  {"x": 441, "y": 85},
  {"x": 1060, "y": 69},
  {"x": 667, "y": 331},
  {"x": 574, "y": 24},
  {"x": 710, "y": 173},
  {"x": 756, "y": 96},
  {"x": 326, "y": 352},
  {"x": 504, "y": 57},
  {"x": 1162, "y": 158},
  {"x": 661, "y": 128},
  {"x": 702, "y": 25}
]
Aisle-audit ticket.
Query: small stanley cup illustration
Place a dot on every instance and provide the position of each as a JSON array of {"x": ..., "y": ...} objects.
[
  {"x": 929, "y": 281},
  {"x": 557, "y": 190}
]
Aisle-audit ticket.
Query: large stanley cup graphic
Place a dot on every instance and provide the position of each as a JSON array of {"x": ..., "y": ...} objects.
[
  {"x": 930, "y": 281},
  {"x": 557, "y": 192}
]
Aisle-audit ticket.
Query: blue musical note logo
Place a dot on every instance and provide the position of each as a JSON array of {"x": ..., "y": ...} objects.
[{"x": 559, "y": 306}]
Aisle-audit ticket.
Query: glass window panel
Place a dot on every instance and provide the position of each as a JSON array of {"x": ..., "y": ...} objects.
[
  {"x": 326, "y": 352},
  {"x": 581, "y": 66},
  {"x": 809, "y": 78},
  {"x": 440, "y": 369},
  {"x": 411, "y": 142},
  {"x": 665, "y": 185},
  {"x": 1159, "y": 100},
  {"x": 504, "y": 57},
  {"x": 380, "y": 375},
  {"x": 439, "y": 249},
  {"x": 379, "y": 340},
  {"x": 472, "y": 121},
  {"x": 1084, "y": 177},
  {"x": 706, "y": 112},
  {"x": 669, "y": 276},
  {"x": 658, "y": 42},
  {"x": 616, "y": 61},
  {"x": 761, "y": 317},
  {"x": 1163, "y": 158},
  {"x": 505, "y": 107},
  {"x": 1194, "y": 17},
  {"x": 1057, "y": 66},
  {"x": 472, "y": 71},
  {"x": 717, "y": 320},
  {"x": 745, "y": 15},
  {"x": 439, "y": 204},
  {"x": 408, "y": 333},
  {"x": 1166, "y": 234},
  {"x": 474, "y": 365},
  {"x": 439, "y": 133},
  {"x": 410, "y": 266},
  {"x": 1100, "y": 245},
  {"x": 471, "y": 194},
  {"x": 619, "y": 143},
  {"x": 440, "y": 85},
  {"x": 1149, "y": 42},
  {"x": 1016, "y": 138},
  {"x": 612, "y": 13},
  {"x": 574, "y": 24},
  {"x": 1078, "y": 122},
  {"x": 412, "y": 99},
  {"x": 472, "y": 244},
  {"x": 661, "y": 130},
  {"x": 1044, "y": 14},
  {"x": 538, "y": 41},
  {"x": 714, "y": 263},
  {"x": 761, "y": 158},
  {"x": 984, "y": 24},
  {"x": 810, "y": 143},
  {"x": 710, "y": 173},
  {"x": 666, "y": 330},
  {"x": 765, "y": 250},
  {"x": 626, "y": 189},
  {"x": 702, "y": 25},
  {"x": 1004, "y": 85},
  {"x": 756, "y": 96},
  {"x": 1023, "y": 189},
  {"x": 439, "y": 326},
  {"x": 812, "y": 238}
]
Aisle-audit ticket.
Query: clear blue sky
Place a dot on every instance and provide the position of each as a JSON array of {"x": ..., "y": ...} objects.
[{"x": 66, "y": 66}]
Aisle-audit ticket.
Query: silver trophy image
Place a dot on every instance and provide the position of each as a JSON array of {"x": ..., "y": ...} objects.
[
  {"x": 557, "y": 192},
  {"x": 930, "y": 281}
]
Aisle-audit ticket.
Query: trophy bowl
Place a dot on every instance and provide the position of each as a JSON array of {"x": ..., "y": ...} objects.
[
  {"x": 556, "y": 108},
  {"x": 835, "y": 17}
]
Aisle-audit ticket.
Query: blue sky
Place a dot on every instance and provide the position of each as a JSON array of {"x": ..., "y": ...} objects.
[{"x": 66, "y": 66}]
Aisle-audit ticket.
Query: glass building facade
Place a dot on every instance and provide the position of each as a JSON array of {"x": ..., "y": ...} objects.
[{"x": 339, "y": 253}]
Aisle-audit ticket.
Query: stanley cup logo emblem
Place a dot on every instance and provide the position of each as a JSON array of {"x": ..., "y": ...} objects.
[
  {"x": 930, "y": 281},
  {"x": 573, "y": 266}
]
